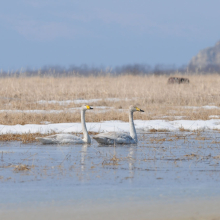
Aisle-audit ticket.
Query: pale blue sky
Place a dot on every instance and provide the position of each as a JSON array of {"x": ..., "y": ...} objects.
[{"x": 35, "y": 33}]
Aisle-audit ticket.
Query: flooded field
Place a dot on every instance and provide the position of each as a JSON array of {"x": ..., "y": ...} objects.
[{"x": 168, "y": 175}]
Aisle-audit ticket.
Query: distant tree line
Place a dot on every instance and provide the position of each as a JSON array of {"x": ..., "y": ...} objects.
[
  {"x": 133, "y": 69},
  {"x": 210, "y": 68}
]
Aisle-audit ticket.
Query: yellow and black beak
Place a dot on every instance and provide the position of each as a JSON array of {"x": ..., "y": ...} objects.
[
  {"x": 140, "y": 110},
  {"x": 88, "y": 107}
]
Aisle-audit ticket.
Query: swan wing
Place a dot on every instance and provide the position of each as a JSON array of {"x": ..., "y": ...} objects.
[
  {"x": 114, "y": 138},
  {"x": 60, "y": 139}
]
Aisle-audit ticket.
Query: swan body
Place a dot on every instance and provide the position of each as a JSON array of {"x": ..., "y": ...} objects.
[
  {"x": 119, "y": 137},
  {"x": 69, "y": 138},
  {"x": 111, "y": 138},
  {"x": 61, "y": 139}
]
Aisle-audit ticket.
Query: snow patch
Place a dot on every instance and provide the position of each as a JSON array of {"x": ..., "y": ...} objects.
[
  {"x": 205, "y": 107},
  {"x": 106, "y": 126},
  {"x": 81, "y": 101},
  {"x": 176, "y": 117},
  {"x": 214, "y": 116}
]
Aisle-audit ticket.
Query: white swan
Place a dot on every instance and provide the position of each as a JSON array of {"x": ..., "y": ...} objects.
[
  {"x": 69, "y": 138},
  {"x": 120, "y": 138}
]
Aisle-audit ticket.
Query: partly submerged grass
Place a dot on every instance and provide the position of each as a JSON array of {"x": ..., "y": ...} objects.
[
  {"x": 24, "y": 138},
  {"x": 158, "y": 130},
  {"x": 21, "y": 167}
]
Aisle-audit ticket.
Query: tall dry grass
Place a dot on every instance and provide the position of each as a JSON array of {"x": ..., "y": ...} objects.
[{"x": 151, "y": 93}]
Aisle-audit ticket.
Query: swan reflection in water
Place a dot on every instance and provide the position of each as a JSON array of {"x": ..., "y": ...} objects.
[
  {"x": 83, "y": 156},
  {"x": 131, "y": 161}
]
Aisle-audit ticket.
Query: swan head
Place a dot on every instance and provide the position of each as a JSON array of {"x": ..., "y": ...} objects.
[
  {"x": 135, "y": 109},
  {"x": 86, "y": 107}
]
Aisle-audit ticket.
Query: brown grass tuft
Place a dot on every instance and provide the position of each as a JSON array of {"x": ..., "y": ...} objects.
[
  {"x": 21, "y": 167},
  {"x": 24, "y": 138},
  {"x": 184, "y": 129}
]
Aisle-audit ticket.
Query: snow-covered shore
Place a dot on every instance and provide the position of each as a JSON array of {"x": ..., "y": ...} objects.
[{"x": 145, "y": 125}]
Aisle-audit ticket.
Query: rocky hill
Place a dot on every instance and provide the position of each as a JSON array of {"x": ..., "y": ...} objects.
[{"x": 207, "y": 59}]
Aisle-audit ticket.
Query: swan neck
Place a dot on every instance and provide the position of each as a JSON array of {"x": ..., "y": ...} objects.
[
  {"x": 86, "y": 137},
  {"x": 133, "y": 133}
]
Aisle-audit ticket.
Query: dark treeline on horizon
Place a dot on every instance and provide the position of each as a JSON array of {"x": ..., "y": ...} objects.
[{"x": 133, "y": 69}]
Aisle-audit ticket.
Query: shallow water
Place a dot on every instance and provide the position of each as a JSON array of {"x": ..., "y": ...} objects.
[{"x": 162, "y": 168}]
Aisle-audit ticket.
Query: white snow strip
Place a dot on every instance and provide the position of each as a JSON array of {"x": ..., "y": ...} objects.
[
  {"x": 205, "y": 107},
  {"x": 67, "y": 102},
  {"x": 176, "y": 117},
  {"x": 36, "y": 111},
  {"x": 112, "y": 126},
  {"x": 185, "y": 124},
  {"x": 214, "y": 116},
  {"x": 80, "y": 101}
]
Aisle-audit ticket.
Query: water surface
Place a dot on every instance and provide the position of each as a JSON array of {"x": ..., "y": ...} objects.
[{"x": 163, "y": 168}]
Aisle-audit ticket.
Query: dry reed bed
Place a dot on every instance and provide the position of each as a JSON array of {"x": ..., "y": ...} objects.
[{"x": 151, "y": 93}]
